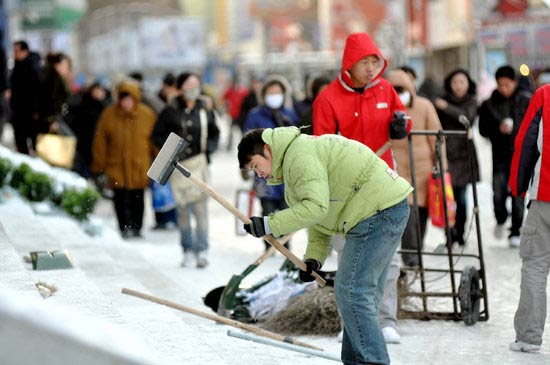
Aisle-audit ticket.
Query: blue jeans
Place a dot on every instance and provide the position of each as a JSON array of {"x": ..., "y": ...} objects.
[
  {"x": 195, "y": 240},
  {"x": 359, "y": 283}
]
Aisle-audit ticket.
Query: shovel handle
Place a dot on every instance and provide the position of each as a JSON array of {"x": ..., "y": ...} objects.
[
  {"x": 213, "y": 317},
  {"x": 243, "y": 218},
  {"x": 386, "y": 146}
]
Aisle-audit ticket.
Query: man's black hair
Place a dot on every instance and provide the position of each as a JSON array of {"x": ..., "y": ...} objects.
[
  {"x": 409, "y": 70},
  {"x": 169, "y": 79},
  {"x": 251, "y": 144},
  {"x": 505, "y": 71},
  {"x": 317, "y": 84},
  {"x": 136, "y": 75},
  {"x": 24, "y": 46}
]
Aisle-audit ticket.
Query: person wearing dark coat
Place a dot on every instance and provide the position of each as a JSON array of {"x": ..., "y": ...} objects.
[
  {"x": 54, "y": 93},
  {"x": 85, "y": 116},
  {"x": 24, "y": 86},
  {"x": 314, "y": 87},
  {"x": 500, "y": 117},
  {"x": 3, "y": 84},
  {"x": 191, "y": 116},
  {"x": 250, "y": 101},
  {"x": 459, "y": 100}
]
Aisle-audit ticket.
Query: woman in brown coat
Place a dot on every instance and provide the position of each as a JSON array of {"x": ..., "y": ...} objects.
[
  {"x": 424, "y": 117},
  {"x": 122, "y": 151}
]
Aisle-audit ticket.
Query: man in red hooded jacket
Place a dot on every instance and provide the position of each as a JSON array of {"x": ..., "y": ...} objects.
[{"x": 361, "y": 105}]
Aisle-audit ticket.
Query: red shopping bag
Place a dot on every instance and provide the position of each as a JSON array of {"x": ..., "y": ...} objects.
[
  {"x": 245, "y": 203},
  {"x": 435, "y": 200}
]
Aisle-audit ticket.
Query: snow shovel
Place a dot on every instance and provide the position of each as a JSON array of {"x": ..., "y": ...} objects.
[
  {"x": 227, "y": 298},
  {"x": 168, "y": 159}
]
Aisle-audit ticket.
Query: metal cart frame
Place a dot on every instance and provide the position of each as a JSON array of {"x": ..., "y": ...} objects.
[{"x": 473, "y": 286}]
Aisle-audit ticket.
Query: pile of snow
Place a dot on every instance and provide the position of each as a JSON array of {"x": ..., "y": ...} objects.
[
  {"x": 62, "y": 178},
  {"x": 55, "y": 334}
]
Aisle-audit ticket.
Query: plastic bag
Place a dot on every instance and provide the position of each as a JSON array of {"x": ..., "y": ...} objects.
[
  {"x": 435, "y": 200},
  {"x": 163, "y": 199}
]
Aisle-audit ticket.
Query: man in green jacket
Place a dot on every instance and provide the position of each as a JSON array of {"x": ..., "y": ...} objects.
[{"x": 334, "y": 185}]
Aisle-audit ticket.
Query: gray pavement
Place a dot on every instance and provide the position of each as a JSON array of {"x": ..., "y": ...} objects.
[{"x": 106, "y": 263}]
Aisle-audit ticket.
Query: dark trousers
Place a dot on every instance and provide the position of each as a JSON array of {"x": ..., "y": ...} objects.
[
  {"x": 271, "y": 206},
  {"x": 457, "y": 233},
  {"x": 24, "y": 132},
  {"x": 163, "y": 218},
  {"x": 129, "y": 207},
  {"x": 410, "y": 240},
  {"x": 501, "y": 193}
]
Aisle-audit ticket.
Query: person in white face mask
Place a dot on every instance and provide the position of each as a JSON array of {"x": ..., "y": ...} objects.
[
  {"x": 192, "y": 117},
  {"x": 424, "y": 117},
  {"x": 271, "y": 113}
]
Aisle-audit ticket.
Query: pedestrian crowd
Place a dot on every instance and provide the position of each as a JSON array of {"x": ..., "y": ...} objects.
[{"x": 337, "y": 162}]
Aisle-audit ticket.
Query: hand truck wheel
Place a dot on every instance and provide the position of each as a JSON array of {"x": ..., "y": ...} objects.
[{"x": 469, "y": 294}]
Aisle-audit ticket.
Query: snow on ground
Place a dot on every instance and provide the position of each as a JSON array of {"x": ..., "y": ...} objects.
[{"x": 105, "y": 264}]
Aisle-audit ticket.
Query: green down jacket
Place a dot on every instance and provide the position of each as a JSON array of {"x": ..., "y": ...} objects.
[{"x": 331, "y": 184}]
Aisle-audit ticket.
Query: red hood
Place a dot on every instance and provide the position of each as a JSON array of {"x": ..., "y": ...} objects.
[{"x": 359, "y": 46}]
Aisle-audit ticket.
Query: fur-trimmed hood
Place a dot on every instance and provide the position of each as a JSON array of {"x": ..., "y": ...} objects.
[{"x": 130, "y": 87}]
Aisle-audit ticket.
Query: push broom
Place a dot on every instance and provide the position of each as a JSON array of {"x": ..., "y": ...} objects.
[{"x": 168, "y": 159}]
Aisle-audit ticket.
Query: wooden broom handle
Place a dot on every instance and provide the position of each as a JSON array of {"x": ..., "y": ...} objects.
[
  {"x": 243, "y": 218},
  {"x": 214, "y": 317},
  {"x": 386, "y": 146}
]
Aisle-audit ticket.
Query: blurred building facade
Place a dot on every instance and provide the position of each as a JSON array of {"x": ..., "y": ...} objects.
[
  {"x": 516, "y": 32},
  {"x": 47, "y": 25},
  {"x": 296, "y": 38}
]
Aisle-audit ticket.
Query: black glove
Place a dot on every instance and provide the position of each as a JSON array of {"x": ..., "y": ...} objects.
[
  {"x": 398, "y": 125},
  {"x": 256, "y": 228},
  {"x": 311, "y": 265}
]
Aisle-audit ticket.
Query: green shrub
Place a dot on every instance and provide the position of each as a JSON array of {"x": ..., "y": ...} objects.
[
  {"x": 5, "y": 167},
  {"x": 18, "y": 175},
  {"x": 79, "y": 204},
  {"x": 36, "y": 186}
]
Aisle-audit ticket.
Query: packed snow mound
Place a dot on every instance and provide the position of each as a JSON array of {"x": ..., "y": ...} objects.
[
  {"x": 55, "y": 334},
  {"x": 61, "y": 178}
]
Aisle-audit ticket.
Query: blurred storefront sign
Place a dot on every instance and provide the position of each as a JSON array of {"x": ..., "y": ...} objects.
[
  {"x": 270, "y": 8},
  {"x": 512, "y": 7},
  {"x": 542, "y": 39},
  {"x": 521, "y": 41},
  {"x": 152, "y": 43},
  {"x": 350, "y": 16},
  {"x": 417, "y": 35},
  {"x": 291, "y": 26},
  {"x": 172, "y": 42},
  {"x": 244, "y": 27},
  {"x": 50, "y": 14}
]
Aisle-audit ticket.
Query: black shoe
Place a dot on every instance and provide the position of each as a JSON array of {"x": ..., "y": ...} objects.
[
  {"x": 160, "y": 226},
  {"x": 457, "y": 237}
]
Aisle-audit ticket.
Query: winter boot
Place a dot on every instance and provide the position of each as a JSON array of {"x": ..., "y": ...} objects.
[
  {"x": 524, "y": 346},
  {"x": 202, "y": 262},
  {"x": 391, "y": 335},
  {"x": 187, "y": 259}
]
